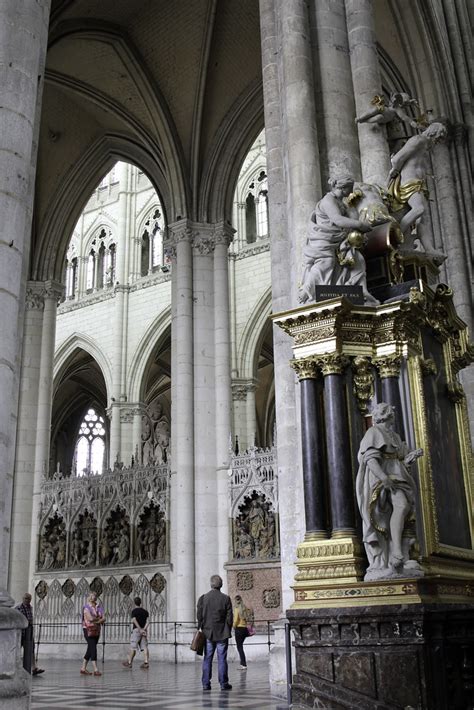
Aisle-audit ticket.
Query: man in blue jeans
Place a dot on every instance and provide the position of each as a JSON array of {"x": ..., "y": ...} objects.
[{"x": 214, "y": 616}]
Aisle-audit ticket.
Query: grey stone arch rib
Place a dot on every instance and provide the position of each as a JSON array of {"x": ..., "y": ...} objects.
[
  {"x": 156, "y": 335},
  {"x": 158, "y": 154},
  {"x": 251, "y": 340},
  {"x": 239, "y": 129},
  {"x": 168, "y": 146}
]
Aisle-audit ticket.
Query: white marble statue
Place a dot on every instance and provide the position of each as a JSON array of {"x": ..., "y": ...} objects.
[
  {"x": 382, "y": 112},
  {"x": 331, "y": 253},
  {"x": 386, "y": 494},
  {"x": 407, "y": 185}
]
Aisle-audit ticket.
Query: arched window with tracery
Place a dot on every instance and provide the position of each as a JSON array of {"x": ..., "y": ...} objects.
[
  {"x": 90, "y": 272},
  {"x": 71, "y": 277},
  {"x": 250, "y": 211},
  {"x": 90, "y": 446},
  {"x": 152, "y": 242}
]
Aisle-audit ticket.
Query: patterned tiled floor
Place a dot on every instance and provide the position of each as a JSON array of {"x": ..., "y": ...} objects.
[{"x": 165, "y": 686}]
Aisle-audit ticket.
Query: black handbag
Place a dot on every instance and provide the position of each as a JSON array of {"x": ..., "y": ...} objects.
[{"x": 197, "y": 644}]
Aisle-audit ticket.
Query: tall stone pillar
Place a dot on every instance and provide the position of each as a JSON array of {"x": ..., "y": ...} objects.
[
  {"x": 251, "y": 413},
  {"x": 389, "y": 371},
  {"x": 122, "y": 289},
  {"x": 182, "y": 421},
  {"x": 23, "y": 41},
  {"x": 205, "y": 524},
  {"x": 223, "y": 396},
  {"x": 366, "y": 79},
  {"x": 138, "y": 412},
  {"x": 26, "y": 440},
  {"x": 457, "y": 264},
  {"x": 339, "y": 146},
  {"x": 293, "y": 189},
  {"x": 53, "y": 291},
  {"x": 239, "y": 400}
]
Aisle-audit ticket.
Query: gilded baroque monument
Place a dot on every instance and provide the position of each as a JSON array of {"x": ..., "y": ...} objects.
[{"x": 384, "y": 573}]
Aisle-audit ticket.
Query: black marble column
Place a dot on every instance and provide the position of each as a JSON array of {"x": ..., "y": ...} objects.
[
  {"x": 313, "y": 461},
  {"x": 338, "y": 453},
  {"x": 389, "y": 370}
]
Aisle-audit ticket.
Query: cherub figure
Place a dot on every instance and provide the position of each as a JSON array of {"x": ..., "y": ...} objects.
[{"x": 383, "y": 113}]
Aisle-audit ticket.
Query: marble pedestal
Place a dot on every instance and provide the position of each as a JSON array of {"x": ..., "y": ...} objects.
[
  {"x": 417, "y": 656},
  {"x": 14, "y": 681}
]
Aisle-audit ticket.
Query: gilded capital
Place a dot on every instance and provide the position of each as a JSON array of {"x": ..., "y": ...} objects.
[
  {"x": 388, "y": 366},
  {"x": 306, "y": 368},
  {"x": 332, "y": 364}
]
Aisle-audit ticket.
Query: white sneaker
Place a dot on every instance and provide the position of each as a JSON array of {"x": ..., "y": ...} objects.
[{"x": 242, "y": 668}]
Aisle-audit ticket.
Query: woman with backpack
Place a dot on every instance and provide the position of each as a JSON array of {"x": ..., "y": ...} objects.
[{"x": 242, "y": 628}]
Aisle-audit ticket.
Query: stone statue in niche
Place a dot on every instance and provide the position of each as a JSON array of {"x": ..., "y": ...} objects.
[
  {"x": 83, "y": 547},
  {"x": 52, "y": 552},
  {"x": 408, "y": 189},
  {"x": 254, "y": 529},
  {"x": 386, "y": 494},
  {"x": 332, "y": 253},
  {"x": 151, "y": 535},
  {"x": 155, "y": 435},
  {"x": 383, "y": 112},
  {"x": 147, "y": 441},
  {"x": 115, "y": 542}
]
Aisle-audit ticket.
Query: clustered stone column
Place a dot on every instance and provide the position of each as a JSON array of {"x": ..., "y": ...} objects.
[
  {"x": 23, "y": 42},
  {"x": 366, "y": 79},
  {"x": 223, "y": 235},
  {"x": 182, "y": 421},
  {"x": 52, "y": 293}
]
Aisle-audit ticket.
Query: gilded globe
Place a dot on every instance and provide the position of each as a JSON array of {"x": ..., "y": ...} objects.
[{"x": 356, "y": 239}]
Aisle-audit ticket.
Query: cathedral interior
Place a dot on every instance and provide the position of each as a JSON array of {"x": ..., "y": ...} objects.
[{"x": 236, "y": 303}]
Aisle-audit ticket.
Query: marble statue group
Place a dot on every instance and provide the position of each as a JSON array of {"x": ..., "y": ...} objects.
[{"x": 340, "y": 225}]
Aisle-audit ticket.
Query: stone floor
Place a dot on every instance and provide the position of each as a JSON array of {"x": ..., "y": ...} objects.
[{"x": 165, "y": 686}]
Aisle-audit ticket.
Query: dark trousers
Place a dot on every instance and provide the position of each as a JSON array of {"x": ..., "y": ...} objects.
[
  {"x": 241, "y": 634},
  {"x": 92, "y": 641},
  {"x": 222, "y": 669},
  {"x": 28, "y": 643}
]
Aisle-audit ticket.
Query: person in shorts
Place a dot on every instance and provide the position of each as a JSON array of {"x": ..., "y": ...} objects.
[{"x": 138, "y": 639}]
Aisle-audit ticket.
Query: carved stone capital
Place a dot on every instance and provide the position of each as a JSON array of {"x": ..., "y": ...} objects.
[
  {"x": 239, "y": 392},
  {"x": 388, "y": 366},
  {"x": 180, "y": 232},
  {"x": 363, "y": 382},
  {"x": 306, "y": 368},
  {"x": 223, "y": 233},
  {"x": 203, "y": 244},
  {"x": 332, "y": 364},
  {"x": 53, "y": 290},
  {"x": 35, "y": 294}
]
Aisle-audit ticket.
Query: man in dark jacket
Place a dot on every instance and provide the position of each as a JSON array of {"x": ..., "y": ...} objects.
[{"x": 214, "y": 616}]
